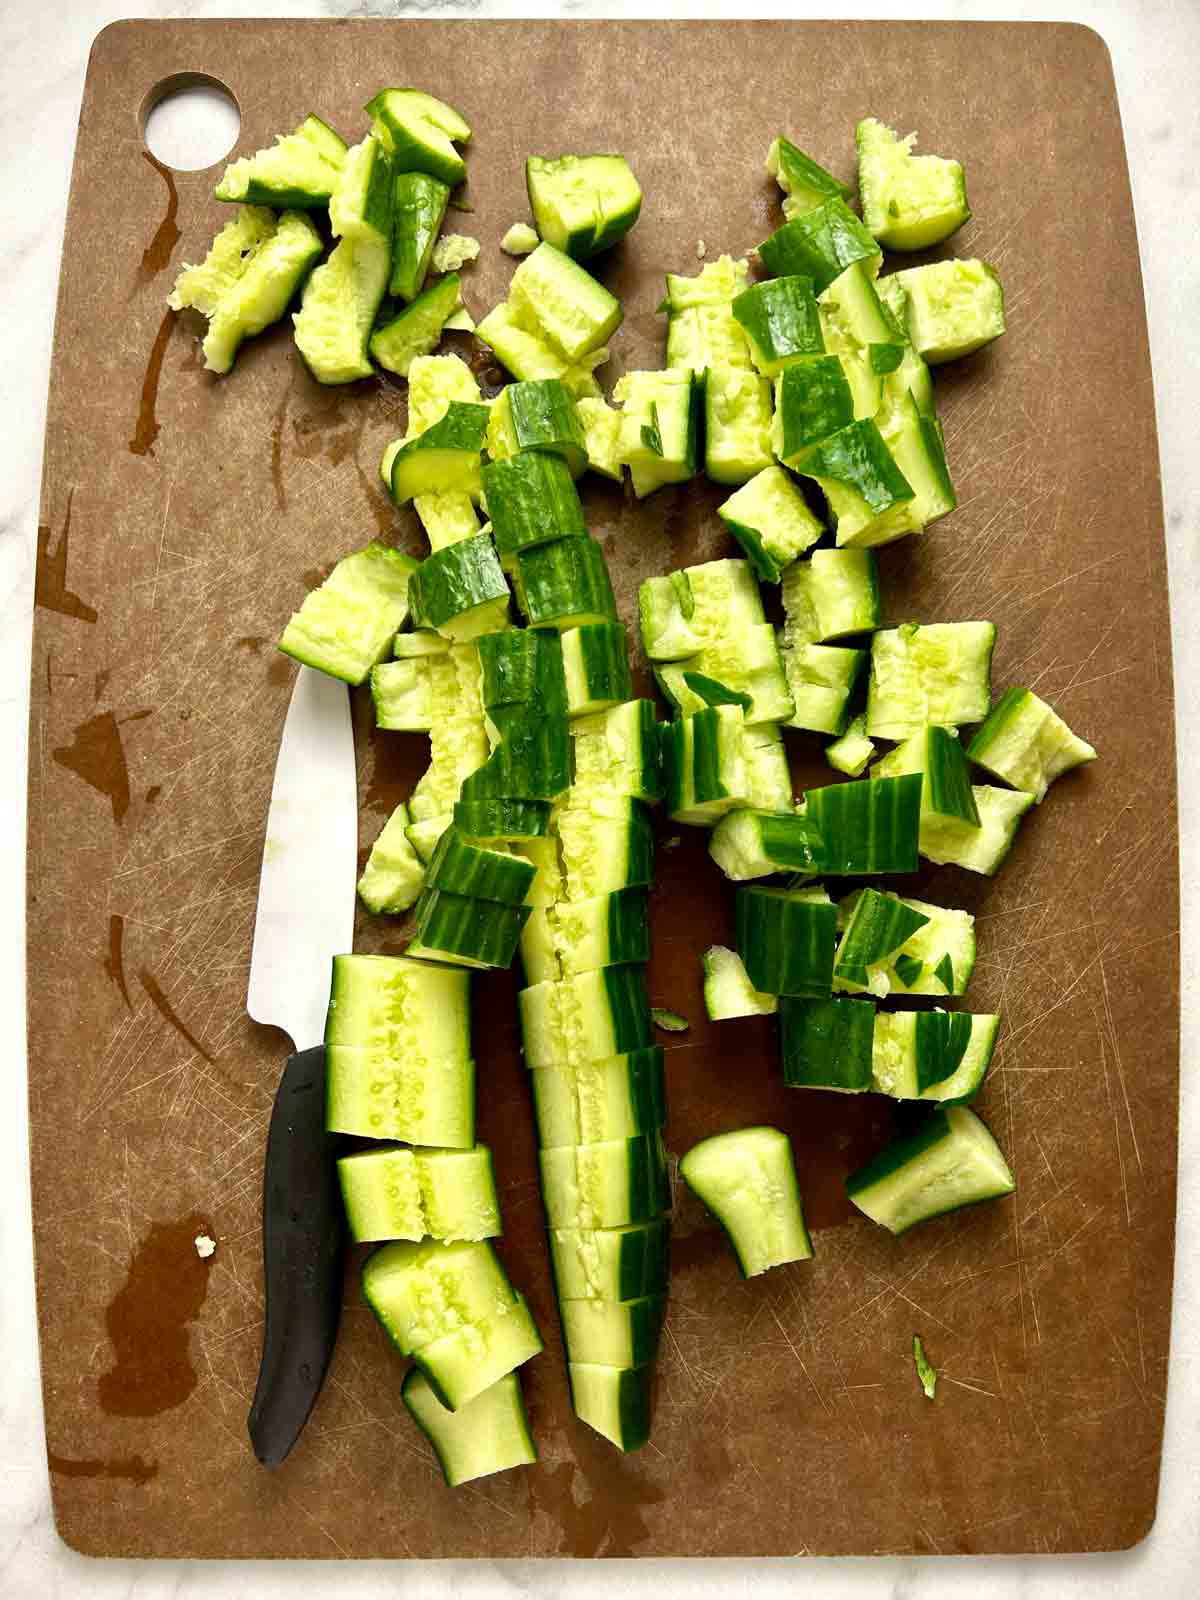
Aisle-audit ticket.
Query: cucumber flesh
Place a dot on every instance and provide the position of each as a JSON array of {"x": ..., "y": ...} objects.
[
  {"x": 486, "y": 1435},
  {"x": 418, "y": 328},
  {"x": 1023, "y": 742},
  {"x": 393, "y": 877},
  {"x": 954, "y": 308},
  {"x": 347, "y": 625},
  {"x": 420, "y": 132},
  {"x": 747, "y": 1179},
  {"x": 728, "y": 991},
  {"x": 909, "y": 202},
  {"x": 951, "y": 1161},
  {"x": 582, "y": 204}
]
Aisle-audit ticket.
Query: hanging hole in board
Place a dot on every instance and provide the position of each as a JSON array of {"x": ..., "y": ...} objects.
[{"x": 190, "y": 121}]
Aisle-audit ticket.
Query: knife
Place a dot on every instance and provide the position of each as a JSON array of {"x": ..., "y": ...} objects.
[{"x": 305, "y": 917}]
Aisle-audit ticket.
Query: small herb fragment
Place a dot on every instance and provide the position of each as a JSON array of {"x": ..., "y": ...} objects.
[
  {"x": 669, "y": 1021},
  {"x": 926, "y": 1371}
]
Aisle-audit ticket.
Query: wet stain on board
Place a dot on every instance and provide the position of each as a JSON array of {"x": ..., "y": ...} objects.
[
  {"x": 147, "y": 1322},
  {"x": 157, "y": 253},
  {"x": 147, "y": 427},
  {"x": 609, "y": 1519},
  {"x": 134, "y": 1469},
  {"x": 114, "y": 962},
  {"x": 50, "y": 583},
  {"x": 97, "y": 755},
  {"x": 167, "y": 1011}
]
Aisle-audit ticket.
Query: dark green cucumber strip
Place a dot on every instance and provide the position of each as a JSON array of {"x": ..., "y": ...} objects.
[
  {"x": 786, "y": 939},
  {"x": 540, "y": 415},
  {"x": 947, "y": 791},
  {"x": 418, "y": 328},
  {"x": 909, "y": 970},
  {"x": 879, "y": 924},
  {"x": 497, "y": 820},
  {"x": 565, "y": 584},
  {"x": 465, "y": 868},
  {"x": 858, "y": 457},
  {"x": 445, "y": 456},
  {"x": 703, "y": 764},
  {"x": 812, "y": 401},
  {"x": 457, "y": 927},
  {"x": 456, "y": 585},
  {"x": 596, "y": 664},
  {"x": 826, "y": 1044},
  {"x": 520, "y": 672},
  {"x": 713, "y": 693},
  {"x": 820, "y": 245},
  {"x": 613, "y": 1263},
  {"x": 941, "y": 1041},
  {"x": 864, "y": 829},
  {"x": 418, "y": 206},
  {"x": 531, "y": 500},
  {"x": 950, "y": 1161},
  {"x": 613, "y": 1333},
  {"x": 615, "y": 1401},
  {"x": 302, "y": 169},
  {"x": 780, "y": 321}
]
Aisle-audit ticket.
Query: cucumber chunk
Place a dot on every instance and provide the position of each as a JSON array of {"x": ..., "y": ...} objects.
[
  {"x": 433, "y": 382},
  {"x": 611, "y": 1333},
  {"x": 519, "y": 240},
  {"x": 337, "y": 310},
  {"x": 936, "y": 958},
  {"x": 985, "y": 848},
  {"x": 853, "y": 751},
  {"x": 954, "y": 307},
  {"x": 393, "y": 877},
  {"x": 780, "y": 321},
  {"x": 951, "y": 1161},
  {"x": 390, "y": 1004},
  {"x": 605, "y": 845},
  {"x": 859, "y": 329},
  {"x": 682, "y": 612},
  {"x": 347, "y": 625},
  {"x": 728, "y": 992},
  {"x": 704, "y": 765},
  {"x": 598, "y": 1101},
  {"x": 745, "y": 664},
  {"x": 737, "y": 425},
  {"x": 804, "y": 182},
  {"x": 421, "y": 1292},
  {"x": 751, "y": 843},
  {"x": 401, "y": 689},
  {"x": 392, "y": 1192},
  {"x": 520, "y": 344},
  {"x": 930, "y": 673},
  {"x": 864, "y": 829},
  {"x": 417, "y": 329},
  {"x": 932, "y": 1055},
  {"x": 615, "y": 1401},
  {"x": 418, "y": 206},
  {"x": 701, "y": 329},
  {"x": 596, "y": 663},
  {"x": 747, "y": 1179},
  {"x": 820, "y": 244},
  {"x": 462, "y": 1364},
  {"x": 1026, "y": 744},
  {"x": 297, "y": 171},
  {"x": 531, "y": 500},
  {"x": 420, "y": 132},
  {"x": 770, "y": 519},
  {"x": 582, "y": 204},
  {"x": 203, "y": 286},
  {"x": 565, "y": 584},
  {"x": 460, "y": 590},
  {"x": 768, "y": 777},
  {"x": 486, "y": 1435},
  {"x": 869, "y": 496},
  {"x": 821, "y": 680},
  {"x": 466, "y": 931},
  {"x": 616, "y": 751},
  {"x": 876, "y": 926},
  {"x": 660, "y": 426},
  {"x": 786, "y": 939},
  {"x": 601, "y": 436},
  {"x": 834, "y": 594},
  {"x": 463, "y": 867},
  {"x": 575, "y": 313},
  {"x": 812, "y": 401},
  {"x": 827, "y": 1044},
  {"x": 586, "y": 1017},
  {"x": 604, "y": 1185},
  {"x": 495, "y": 821},
  {"x": 616, "y": 1264},
  {"x": 444, "y": 456},
  {"x": 524, "y": 693},
  {"x": 361, "y": 205},
  {"x": 537, "y": 416},
  {"x": 908, "y": 202}
]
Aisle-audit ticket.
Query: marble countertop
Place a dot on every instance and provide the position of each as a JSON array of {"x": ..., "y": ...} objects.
[{"x": 1155, "y": 46}]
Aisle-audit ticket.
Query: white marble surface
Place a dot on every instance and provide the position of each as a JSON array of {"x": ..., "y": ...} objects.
[{"x": 43, "y": 55}]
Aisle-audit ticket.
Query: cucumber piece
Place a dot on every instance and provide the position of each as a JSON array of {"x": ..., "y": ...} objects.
[
  {"x": 954, "y": 307},
  {"x": 932, "y": 1055},
  {"x": 919, "y": 450},
  {"x": 946, "y": 791},
  {"x": 851, "y": 753},
  {"x": 804, "y": 182},
  {"x": 585, "y": 1018},
  {"x": 319, "y": 134},
  {"x": 1023, "y": 742},
  {"x": 460, "y": 590},
  {"x": 522, "y": 681},
  {"x": 393, "y": 876},
  {"x": 728, "y": 992},
  {"x": 596, "y": 663},
  {"x": 812, "y": 401},
  {"x": 465, "y": 931},
  {"x": 701, "y": 330},
  {"x": 770, "y": 519},
  {"x": 821, "y": 680},
  {"x": 610, "y": 1333},
  {"x": 392, "y": 1192},
  {"x": 464, "y": 1363},
  {"x": 779, "y": 318},
  {"x": 616, "y": 751},
  {"x": 582, "y": 204},
  {"x": 337, "y": 311},
  {"x": 820, "y": 244},
  {"x": 859, "y": 329},
  {"x": 347, "y": 625},
  {"x": 604, "y": 1185},
  {"x": 465, "y": 868},
  {"x": 682, "y": 612},
  {"x": 660, "y": 426},
  {"x": 768, "y": 777},
  {"x": 296, "y": 171},
  {"x": 418, "y": 207},
  {"x": 575, "y": 313},
  {"x": 531, "y": 500},
  {"x": 704, "y": 766},
  {"x": 433, "y": 382},
  {"x": 519, "y": 239},
  {"x": 234, "y": 248},
  {"x": 832, "y": 595},
  {"x": 420, "y": 132},
  {"x": 747, "y": 1179},
  {"x": 827, "y": 1044},
  {"x": 444, "y": 456},
  {"x": 599, "y": 1101},
  {"x": 605, "y": 844},
  {"x": 870, "y": 498},
  {"x": 584, "y": 935},
  {"x": 786, "y": 939},
  {"x": 380, "y": 1092},
  {"x": 601, "y": 436},
  {"x": 564, "y": 584},
  {"x": 420, "y": 1292},
  {"x": 909, "y": 202},
  {"x": 936, "y": 958},
  {"x": 717, "y": 283},
  {"x": 457, "y": 740},
  {"x": 950, "y": 1161},
  {"x": 985, "y": 848},
  {"x": 748, "y": 663},
  {"x": 737, "y": 425},
  {"x": 520, "y": 344},
  {"x": 400, "y": 693},
  {"x": 865, "y": 829},
  {"x": 424, "y": 834},
  {"x": 754, "y": 844},
  {"x": 390, "y": 1004},
  {"x": 486, "y": 1435},
  {"x": 615, "y": 1401},
  {"x": 615, "y": 1264},
  {"x": 361, "y": 205},
  {"x": 939, "y": 672},
  {"x": 537, "y": 416},
  {"x": 875, "y": 926},
  {"x": 417, "y": 329},
  {"x": 458, "y": 1193},
  {"x": 492, "y": 820}
]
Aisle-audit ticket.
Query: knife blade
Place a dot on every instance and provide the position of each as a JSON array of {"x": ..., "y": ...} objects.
[{"x": 305, "y": 917}]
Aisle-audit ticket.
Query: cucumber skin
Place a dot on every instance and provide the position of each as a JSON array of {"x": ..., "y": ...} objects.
[
  {"x": 826, "y": 1044},
  {"x": 786, "y": 944},
  {"x": 845, "y": 816},
  {"x": 820, "y": 244}
]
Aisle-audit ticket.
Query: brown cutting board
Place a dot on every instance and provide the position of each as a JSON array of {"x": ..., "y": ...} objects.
[{"x": 185, "y": 517}]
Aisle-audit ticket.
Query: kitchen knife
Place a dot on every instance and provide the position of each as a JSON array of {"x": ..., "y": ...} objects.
[{"x": 305, "y": 918}]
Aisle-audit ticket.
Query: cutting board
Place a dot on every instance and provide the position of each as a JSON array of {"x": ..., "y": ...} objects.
[{"x": 184, "y": 517}]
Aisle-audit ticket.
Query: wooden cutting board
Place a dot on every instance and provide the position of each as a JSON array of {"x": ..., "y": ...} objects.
[{"x": 185, "y": 517}]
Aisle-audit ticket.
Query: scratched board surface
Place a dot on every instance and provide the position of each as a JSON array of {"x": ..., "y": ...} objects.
[{"x": 185, "y": 517}]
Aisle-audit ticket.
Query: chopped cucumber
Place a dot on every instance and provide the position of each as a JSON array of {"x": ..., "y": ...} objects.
[
  {"x": 417, "y": 329},
  {"x": 462, "y": 866},
  {"x": 770, "y": 519},
  {"x": 751, "y": 843},
  {"x": 497, "y": 821},
  {"x": 576, "y": 313},
  {"x": 604, "y": 1185},
  {"x": 701, "y": 329},
  {"x": 805, "y": 184},
  {"x": 728, "y": 992},
  {"x": 422, "y": 1291},
  {"x": 584, "y": 935},
  {"x": 852, "y": 752},
  {"x": 932, "y": 1055},
  {"x": 611, "y": 1333},
  {"x": 615, "y": 1401},
  {"x": 203, "y": 287},
  {"x": 389, "y": 1090},
  {"x": 832, "y": 595},
  {"x": 617, "y": 1264},
  {"x": 983, "y": 848},
  {"x": 485, "y": 1435},
  {"x": 420, "y": 132},
  {"x": 601, "y": 436},
  {"x": 919, "y": 450},
  {"x": 460, "y": 590},
  {"x": 954, "y": 307},
  {"x": 297, "y": 171},
  {"x": 864, "y": 829},
  {"x": 682, "y": 612},
  {"x": 704, "y": 765},
  {"x": 747, "y": 1179},
  {"x": 418, "y": 207},
  {"x": 596, "y": 663},
  {"x": 660, "y": 425},
  {"x": 454, "y": 250},
  {"x": 876, "y": 926},
  {"x": 768, "y": 777},
  {"x": 820, "y": 244},
  {"x": 616, "y": 751},
  {"x": 347, "y": 625},
  {"x": 598, "y": 1101},
  {"x": 779, "y": 318},
  {"x": 433, "y": 383},
  {"x": 744, "y": 664},
  {"x": 444, "y": 456},
  {"x": 869, "y": 496},
  {"x": 466, "y": 931},
  {"x": 605, "y": 844},
  {"x": 951, "y": 1161},
  {"x": 521, "y": 344},
  {"x": 821, "y": 680},
  {"x": 393, "y": 876},
  {"x": 939, "y": 672},
  {"x": 812, "y": 401},
  {"x": 446, "y": 516},
  {"x": 936, "y": 958},
  {"x": 909, "y": 202},
  {"x": 361, "y": 205},
  {"x": 392, "y": 1192},
  {"x": 531, "y": 500},
  {"x": 786, "y": 939},
  {"x": 737, "y": 425},
  {"x": 946, "y": 792},
  {"x": 586, "y": 1017},
  {"x": 826, "y": 1044},
  {"x": 582, "y": 204},
  {"x": 537, "y": 416},
  {"x": 462, "y": 1364},
  {"x": 565, "y": 584},
  {"x": 858, "y": 328},
  {"x": 337, "y": 310},
  {"x": 1026, "y": 744},
  {"x": 519, "y": 240}
]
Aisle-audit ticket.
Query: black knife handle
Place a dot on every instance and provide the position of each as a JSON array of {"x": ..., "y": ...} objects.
[{"x": 303, "y": 1247}]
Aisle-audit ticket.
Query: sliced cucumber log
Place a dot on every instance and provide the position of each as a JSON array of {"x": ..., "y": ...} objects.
[
  {"x": 585, "y": 1018},
  {"x": 460, "y": 866},
  {"x": 604, "y": 1185},
  {"x": 951, "y": 1161},
  {"x": 420, "y": 132},
  {"x": 909, "y": 202},
  {"x": 564, "y": 584},
  {"x": 379, "y": 1092},
  {"x": 582, "y": 204},
  {"x": 660, "y": 426},
  {"x": 827, "y": 1044},
  {"x": 417, "y": 329},
  {"x": 611, "y": 1333},
  {"x": 932, "y": 1055},
  {"x": 392, "y": 1192},
  {"x": 460, "y": 590},
  {"x": 771, "y": 520},
  {"x": 617, "y": 751},
  {"x": 704, "y": 765},
  {"x": 875, "y": 927},
  {"x": 615, "y": 1401},
  {"x": 599, "y": 1101},
  {"x": 418, "y": 207},
  {"x": 298, "y": 170},
  {"x": 390, "y": 1004},
  {"x": 596, "y": 663},
  {"x": 464, "y": 930},
  {"x": 525, "y": 696},
  {"x": 601, "y": 436},
  {"x": 605, "y": 844},
  {"x": 444, "y": 456},
  {"x": 615, "y": 1264},
  {"x": 930, "y": 673},
  {"x": 583, "y": 935},
  {"x": 531, "y": 500},
  {"x": 820, "y": 244},
  {"x": 805, "y": 183},
  {"x": 754, "y": 844},
  {"x": 682, "y": 612},
  {"x": 541, "y": 416},
  {"x": 869, "y": 496},
  {"x": 936, "y": 958},
  {"x": 337, "y": 310},
  {"x": 737, "y": 425},
  {"x": 853, "y": 751},
  {"x": 786, "y": 938},
  {"x": 347, "y": 625},
  {"x": 864, "y": 829},
  {"x": 812, "y": 401},
  {"x": 821, "y": 679},
  {"x": 1023, "y": 742},
  {"x": 728, "y": 992},
  {"x": 832, "y": 595},
  {"x": 747, "y": 1179},
  {"x": 779, "y": 318},
  {"x": 486, "y": 1435},
  {"x": 393, "y": 877},
  {"x": 747, "y": 664},
  {"x": 954, "y": 307},
  {"x": 576, "y": 314}
]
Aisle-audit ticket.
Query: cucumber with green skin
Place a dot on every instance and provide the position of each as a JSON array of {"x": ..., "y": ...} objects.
[
  {"x": 952, "y": 1160},
  {"x": 918, "y": 448},
  {"x": 830, "y": 596},
  {"x": 617, "y": 1098},
  {"x": 858, "y": 328},
  {"x": 586, "y": 1017},
  {"x": 337, "y": 310},
  {"x": 701, "y": 329},
  {"x": 300, "y": 170},
  {"x": 1023, "y": 742},
  {"x": 827, "y": 1044},
  {"x": 420, "y": 1099},
  {"x": 612, "y": 1333},
  {"x": 604, "y": 845},
  {"x": 445, "y": 456},
  {"x": 750, "y": 843},
  {"x": 851, "y": 753},
  {"x": 392, "y": 1192},
  {"x": 812, "y": 402},
  {"x": 361, "y": 205},
  {"x": 418, "y": 206},
  {"x": 464, "y": 867},
  {"x": 596, "y": 664},
  {"x": 946, "y": 791},
  {"x": 821, "y": 680},
  {"x": 393, "y": 877},
  {"x": 531, "y": 500},
  {"x": 866, "y": 828},
  {"x": 494, "y": 820},
  {"x": 601, "y": 436},
  {"x": 420, "y": 132},
  {"x": 583, "y": 935},
  {"x": 576, "y": 313},
  {"x": 660, "y": 426},
  {"x": 521, "y": 345},
  {"x": 417, "y": 329},
  {"x": 615, "y": 1401},
  {"x": 704, "y": 765},
  {"x": 877, "y": 926},
  {"x": 805, "y": 183},
  {"x": 537, "y": 416},
  {"x": 565, "y": 584},
  {"x": 770, "y": 519},
  {"x": 617, "y": 751},
  {"x": 820, "y": 244},
  {"x": 747, "y": 1179},
  {"x": 909, "y": 202},
  {"x": 524, "y": 694},
  {"x": 347, "y": 625},
  {"x": 488, "y": 1434},
  {"x": 937, "y": 958},
  {"x": 932, "y": 1055},
  {"x": 682, "y": 612},
  {"x": 465, "y": 1363},
  {"x": 604, "y": 1185},
  {"x": 870, "y": 498},
  {"x": 748, "y": 663},
  {"x": 954, "y": 307},
  {"x": 780, "y": 321},
  {"x": 616, "y": 1264},
  {"x": 582, "y": 204},
  {"x": 462, "y": 929},
  {"x": 460, "y": 591},
  {"x": 786, "y": 939},
  {"x": 737, "y": 425},
  {"x": 929, "y": 673}
]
